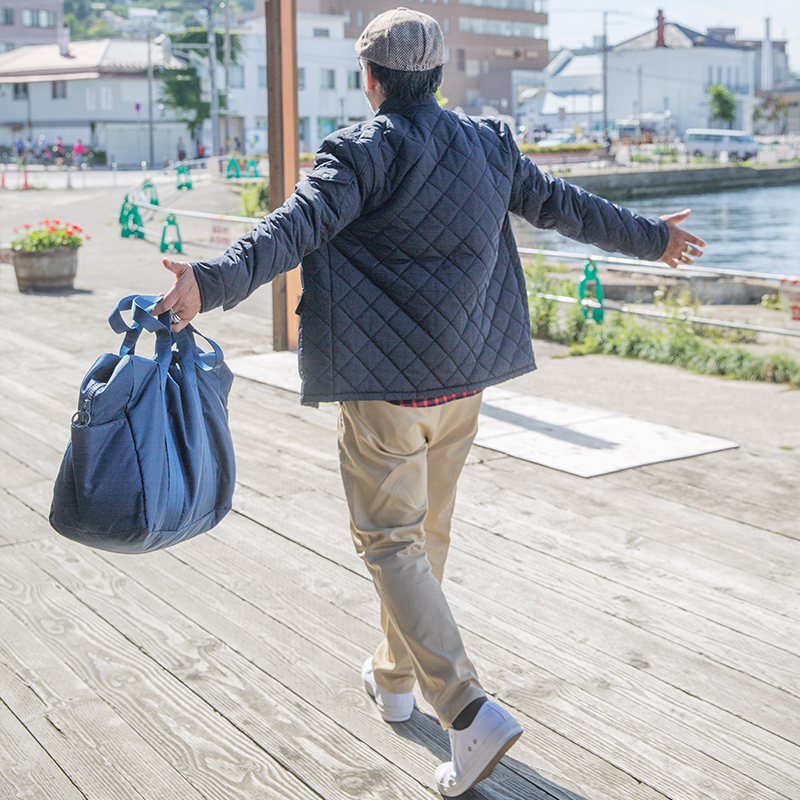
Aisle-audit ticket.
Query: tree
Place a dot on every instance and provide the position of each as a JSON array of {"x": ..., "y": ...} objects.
[
  {"x": 772, "y": 107},
  {"x": 723, "y": 104},
  {"x": 181, "y": 89}
]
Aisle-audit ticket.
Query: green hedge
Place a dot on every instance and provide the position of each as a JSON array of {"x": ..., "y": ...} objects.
[{"x": 561, "y": 148}]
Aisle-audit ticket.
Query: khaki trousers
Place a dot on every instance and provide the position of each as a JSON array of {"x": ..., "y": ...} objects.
[{"x": 400, "y": 467}]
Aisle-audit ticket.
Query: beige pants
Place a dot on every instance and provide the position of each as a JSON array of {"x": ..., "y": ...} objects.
[{"x": 400, "y": 467}]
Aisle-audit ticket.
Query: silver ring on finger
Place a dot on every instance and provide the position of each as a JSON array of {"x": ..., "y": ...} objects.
[{"x": 174, "y": 318}]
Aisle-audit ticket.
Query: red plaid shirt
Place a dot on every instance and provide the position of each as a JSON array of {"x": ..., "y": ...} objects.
[{"x": 434, "y": 401}]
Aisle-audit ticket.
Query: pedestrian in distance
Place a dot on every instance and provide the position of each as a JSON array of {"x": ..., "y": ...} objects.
[
  {"x": 413, "y": 302},
  {"x": 78, "y": 152},
  {"x": 181, "y": 149}
]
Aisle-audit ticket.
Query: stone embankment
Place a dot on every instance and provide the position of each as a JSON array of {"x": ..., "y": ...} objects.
[{"x": 629, "y": 184}]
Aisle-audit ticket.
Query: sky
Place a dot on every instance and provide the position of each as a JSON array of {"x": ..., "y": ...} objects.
[{"x": 573, "y": 23}]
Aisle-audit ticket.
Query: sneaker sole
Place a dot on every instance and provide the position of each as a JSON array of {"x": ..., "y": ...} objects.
[{"x": 505, "y": 736}]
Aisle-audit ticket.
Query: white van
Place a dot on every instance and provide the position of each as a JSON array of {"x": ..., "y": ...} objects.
[{"x": 710, "y": 142}]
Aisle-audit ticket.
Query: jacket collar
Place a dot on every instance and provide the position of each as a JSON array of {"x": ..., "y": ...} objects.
[{"x": 392, "y": 106}]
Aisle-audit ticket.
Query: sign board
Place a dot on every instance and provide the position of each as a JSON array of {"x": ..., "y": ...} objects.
[
  {"x": 221, "y": 234},
  {"x": 790, "y": 302}
]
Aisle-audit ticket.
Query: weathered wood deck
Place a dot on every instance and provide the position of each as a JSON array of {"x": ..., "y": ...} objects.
[{"x": 643, "y": 626}]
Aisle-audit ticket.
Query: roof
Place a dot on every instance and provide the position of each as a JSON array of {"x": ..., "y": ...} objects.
[
  {"x": 95, "y": 55},
  {"x": 676, "y": 37}
]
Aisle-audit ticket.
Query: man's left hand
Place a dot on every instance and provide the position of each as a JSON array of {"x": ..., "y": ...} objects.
[{"x": 682, "y": 247}]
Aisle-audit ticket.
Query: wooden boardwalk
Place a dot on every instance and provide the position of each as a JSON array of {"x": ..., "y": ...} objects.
[{"x": 644, "y": 627}]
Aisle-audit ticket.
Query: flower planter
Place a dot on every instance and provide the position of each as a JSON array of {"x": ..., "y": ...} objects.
[{"x": 45, "y": 270}]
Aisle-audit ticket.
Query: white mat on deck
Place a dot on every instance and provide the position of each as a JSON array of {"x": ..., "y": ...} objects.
[{"x": 576, "y": 439}]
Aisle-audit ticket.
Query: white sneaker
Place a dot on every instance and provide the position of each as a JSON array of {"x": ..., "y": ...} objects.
[
  {"x": 393, "y": 707},
  {"x": 477, "y": 749}
]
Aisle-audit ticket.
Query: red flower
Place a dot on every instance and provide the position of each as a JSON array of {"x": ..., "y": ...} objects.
[
  {"x": 27, "y": 225},
  {"x": 88, "y": 237}
]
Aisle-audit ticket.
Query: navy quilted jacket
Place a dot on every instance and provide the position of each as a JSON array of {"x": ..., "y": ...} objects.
[{"x": 412, "y": 285}]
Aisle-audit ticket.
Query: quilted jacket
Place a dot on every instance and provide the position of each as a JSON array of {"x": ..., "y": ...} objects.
[{"x": 412, "y": 284}]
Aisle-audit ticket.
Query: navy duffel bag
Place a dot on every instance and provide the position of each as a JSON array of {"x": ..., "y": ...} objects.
[{"x": 150, "y": 462}]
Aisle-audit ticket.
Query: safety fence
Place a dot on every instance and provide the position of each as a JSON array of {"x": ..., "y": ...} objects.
[{"x": 144, "y": 204}]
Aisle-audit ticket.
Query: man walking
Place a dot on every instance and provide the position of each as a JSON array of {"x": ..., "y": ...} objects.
[{"x": 413, "y": 302}]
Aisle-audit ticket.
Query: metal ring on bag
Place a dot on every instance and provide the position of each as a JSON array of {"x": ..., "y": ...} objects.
[{"x": 80, "y": 419}]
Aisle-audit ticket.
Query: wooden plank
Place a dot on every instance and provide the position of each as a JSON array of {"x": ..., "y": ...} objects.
[
  {"x": 18, "y": 523},
  {"x": 276, "y": 557},
  {"x": 40, "y": 456},
  {"x": 328, "y": 758},
  {"x": 587, "y": 660},
  {"x": 26, "y": 768},
  {"x": 99, "y": 753},
  {"x": 307, "y": 670},
  {"x": 732, "y": 597},
  {"x": 686, "y": 761},
  {"x": 209, "y": 752},
  {"x": 758, "y": 495}
]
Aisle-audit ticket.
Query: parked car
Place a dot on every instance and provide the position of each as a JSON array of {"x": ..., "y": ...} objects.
[{"x": 710, "y": 142}]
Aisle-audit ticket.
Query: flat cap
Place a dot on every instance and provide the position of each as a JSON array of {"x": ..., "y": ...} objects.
[{"x": 402, "y": 39}]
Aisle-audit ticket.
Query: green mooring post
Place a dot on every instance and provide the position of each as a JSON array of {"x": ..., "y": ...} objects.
[
  {"x": 252, "y": 169},
  {"x": 131, "y": 220},
  {"x": 233, "y": 169},
  {"x": 184, "y": 177},
  {"x": 173, "y": 244},
  {"x": 590, "y": 277},
  {"x": 150, "y": 192}
]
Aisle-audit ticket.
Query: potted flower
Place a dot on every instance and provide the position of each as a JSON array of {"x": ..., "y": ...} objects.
[{"x": 45, "y": 257}]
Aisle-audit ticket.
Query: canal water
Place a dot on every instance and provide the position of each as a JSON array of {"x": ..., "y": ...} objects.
[{"x": 754, "y": 230}]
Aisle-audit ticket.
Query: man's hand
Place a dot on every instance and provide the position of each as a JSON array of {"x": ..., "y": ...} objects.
[
  {"x": 183, "y": 299},
  {"x": 682, "y": 247}
]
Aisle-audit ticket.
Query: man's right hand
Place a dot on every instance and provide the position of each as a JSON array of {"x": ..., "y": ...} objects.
[{"x": 183, "y": 299}]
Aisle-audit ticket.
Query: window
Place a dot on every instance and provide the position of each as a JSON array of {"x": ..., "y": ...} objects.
[
  {"x": 6, "y": 46},
  {"x": 236, "y": 76},
  {"x": 322, "y": 33},
  {"x": 536, "y": 6},
  {"x": 106, "y": 98},
  {"x": 347, "y": 16},
  {"x": 327, "y": 79},
  {"x": 325, "y": 127},
  {"x": 91, "y": 98},
  {"x": 261, "y": 122},
  {"x": 461, "y": 56},
  {"x": 360, "y": 18},
  {"x": 500, "y": 27},
  {"x": 447, "y": 24},
  {"x": 354, "y": 79},
  {"x": 302, "y": 134},
  {"x": 262, "y": 76},
  {"x": 6, "y": 16},
  {"x": 20, "y": 91},
  {"x": 59, "y": 90},
  {"x": 301, "y": 77},
  {"x": 34, "y": 18}
]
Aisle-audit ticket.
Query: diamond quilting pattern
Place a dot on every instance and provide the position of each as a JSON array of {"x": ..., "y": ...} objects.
[{"x": 424, "y": 289}]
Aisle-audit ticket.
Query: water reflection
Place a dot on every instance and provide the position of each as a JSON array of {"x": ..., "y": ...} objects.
[{"x": 756, "y": 230}]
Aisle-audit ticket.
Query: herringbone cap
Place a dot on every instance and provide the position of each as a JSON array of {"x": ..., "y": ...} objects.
[{"x": 402, "y": 39}]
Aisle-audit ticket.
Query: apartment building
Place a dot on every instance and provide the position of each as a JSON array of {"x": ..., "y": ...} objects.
[
  {"x": 494, "y": 49},
  {"x": 25, "y": 22}
]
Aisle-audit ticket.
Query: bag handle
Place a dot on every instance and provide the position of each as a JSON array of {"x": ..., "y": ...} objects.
[{"x": 140, "y": 307}]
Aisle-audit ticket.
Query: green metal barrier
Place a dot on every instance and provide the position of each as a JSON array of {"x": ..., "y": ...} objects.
[
  {"x": 171, "y": 244},
  {"x": 131, "y": 220},
  {"x": 591, "y": 283},
  {"x": 184, "y": 177}
]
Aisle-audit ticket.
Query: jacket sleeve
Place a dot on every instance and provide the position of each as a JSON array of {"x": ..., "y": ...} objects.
[
  {"x": 552, "y": 203},
  {"x": 322, "y": 204}
]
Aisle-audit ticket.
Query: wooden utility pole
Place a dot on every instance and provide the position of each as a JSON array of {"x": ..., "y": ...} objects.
[{"x": 282, "y": 132}]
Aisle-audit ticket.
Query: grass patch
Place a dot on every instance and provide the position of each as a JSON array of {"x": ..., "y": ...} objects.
[
  {"x": 702, "y": 349},
  {"x": 255, "y": 199}
]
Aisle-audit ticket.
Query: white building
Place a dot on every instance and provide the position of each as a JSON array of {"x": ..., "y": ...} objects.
[
  {"x": 330, "y": 95},
  {"x": 659, "y": 78},
  {"x": 96, "y": 91}
]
